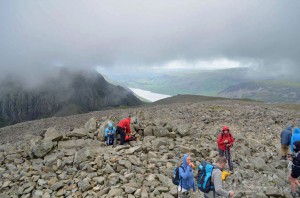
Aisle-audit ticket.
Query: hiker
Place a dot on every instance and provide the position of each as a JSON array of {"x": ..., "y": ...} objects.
[
  {"x": 186, "y": 177},
  {"x": 216, "y": 178},
  {"x": 295, "y": 173},
  {"x": 110, "y": 134},
  {"x": 295, "y": 137},
  {"x": 123, "y": 129},
  {"x": 225, "y": 141},
  {"x": 285, "y": 140}
]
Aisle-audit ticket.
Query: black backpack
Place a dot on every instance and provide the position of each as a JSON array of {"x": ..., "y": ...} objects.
[{"x": 176, "y": 176}]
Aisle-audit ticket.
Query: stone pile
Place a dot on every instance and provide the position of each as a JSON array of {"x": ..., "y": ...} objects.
[{"x": 74, "y": 163}]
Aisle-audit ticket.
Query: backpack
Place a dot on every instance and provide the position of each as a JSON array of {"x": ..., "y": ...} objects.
[
  {"x": 204, "y": 182},
  {"x": 176, "y": 176},
  {"x": 129, "y": 138}
]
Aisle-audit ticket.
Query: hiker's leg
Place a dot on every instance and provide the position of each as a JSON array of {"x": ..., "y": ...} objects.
[
  {"x": 116, "y": 135},
  {"x": 123, "y": 134},
  {"x": 229, "y": 160},
  {"x": 297, "y": 182},
  {"x": 293, "y": 184},
  {"x": 221, "y": 153},
  {"x": 180, "y": 191},
  {"x": 284, "y": 150}
]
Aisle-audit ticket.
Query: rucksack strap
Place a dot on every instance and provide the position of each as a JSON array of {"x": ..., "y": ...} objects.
[{"x": 180, "y": 176}]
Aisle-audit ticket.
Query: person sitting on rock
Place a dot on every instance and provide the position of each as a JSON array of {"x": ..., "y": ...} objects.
[
  {"x": 295, "y": 173},
  {"x": 186, "y": 177},
  {"x": 225, "y": 141},
  {"x": 295, "y": 137},
  {"x": 285, "y": 140},
  {"x": 110, "y": 134},
  {"x": 216, "y": 178},
  {"x": 123, "y": 128}
]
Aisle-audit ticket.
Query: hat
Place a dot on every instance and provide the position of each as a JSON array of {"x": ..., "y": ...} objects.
[
  {"x": 225, "y": 128},
  {"x": 297, "y": 145}
]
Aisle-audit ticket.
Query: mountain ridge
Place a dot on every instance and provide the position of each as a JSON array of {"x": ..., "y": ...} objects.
[{"x": 68, "y": 92}]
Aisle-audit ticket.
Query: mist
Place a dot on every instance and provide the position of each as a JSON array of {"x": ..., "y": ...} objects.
[{"x": 37, "y": 36}]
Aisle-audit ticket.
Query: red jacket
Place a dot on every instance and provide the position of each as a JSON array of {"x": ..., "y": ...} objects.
[
  {"x": 222, "y": 137},
  {"x": 125, "y": 124}
]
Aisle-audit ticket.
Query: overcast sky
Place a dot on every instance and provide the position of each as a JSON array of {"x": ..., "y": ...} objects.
[{"x": 155, "y": 34}]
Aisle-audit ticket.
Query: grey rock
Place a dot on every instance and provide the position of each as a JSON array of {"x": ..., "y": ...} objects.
[
  {"x": 115, "y": 192},
  {"x": 77, "y": 133},
  {"x": 41, "y": 148},
  {"x": 148, "y": 131},
  {"x": 53, "y": 135},
  {"x": 133, "y": 150},
  {"x": 70, "y": 144},
  {"x": 84, "y": 185},
  {"x": 56, "y": 186},
  {"x": 91, "y": 125}
]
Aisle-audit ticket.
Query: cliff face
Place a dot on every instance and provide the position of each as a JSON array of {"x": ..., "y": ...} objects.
[{"x": 65, "y": 93}]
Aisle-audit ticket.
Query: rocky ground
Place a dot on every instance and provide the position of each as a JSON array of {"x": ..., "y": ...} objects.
[{"x": 62, "y": 157}]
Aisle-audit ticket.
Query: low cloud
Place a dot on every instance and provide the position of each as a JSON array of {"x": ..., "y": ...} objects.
[{"x": 38, "y": 36}]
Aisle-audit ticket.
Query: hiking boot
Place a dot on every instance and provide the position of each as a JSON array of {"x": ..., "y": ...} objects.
[{"x": 294, "y": 195}]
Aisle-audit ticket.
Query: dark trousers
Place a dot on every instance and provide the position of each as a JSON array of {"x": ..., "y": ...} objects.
[{"x": 122, "y": 134}]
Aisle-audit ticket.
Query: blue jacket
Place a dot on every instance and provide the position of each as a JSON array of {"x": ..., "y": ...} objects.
[
  {"x": 295, "y": 137},
  {"x": 186, "y": 175},
  {"x": 110, "y": 129},
  {"x": 286, "y": 135}
]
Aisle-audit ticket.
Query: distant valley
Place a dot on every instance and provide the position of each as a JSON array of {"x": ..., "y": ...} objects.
[{"x": 230, "y": 83}]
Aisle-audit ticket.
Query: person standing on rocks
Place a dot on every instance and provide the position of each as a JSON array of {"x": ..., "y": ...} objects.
[
  {"x": 216, "y": 178},
  {"x": 186, "y": 177},
  {"x": 285, "y": 140},
  {"x": 225, "y": 141},
  {"x": 295, "y": 137},
  {"x": 295, "y": 173},
  {"x": 123, "y": 128}
]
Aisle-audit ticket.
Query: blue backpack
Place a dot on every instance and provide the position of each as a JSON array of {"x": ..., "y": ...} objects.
[
  {"x": 204, "y": 182},
  {"x": 176, "y": 176}
]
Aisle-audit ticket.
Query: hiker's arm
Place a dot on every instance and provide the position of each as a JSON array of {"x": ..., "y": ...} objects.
[
  {"x": 219, "y": 141},
  {"x": 217, "y": 180},
  {"x": 128, "y": 128},
  {"x": 106, "y": 132},
  {"x": 184, "y": 174}
]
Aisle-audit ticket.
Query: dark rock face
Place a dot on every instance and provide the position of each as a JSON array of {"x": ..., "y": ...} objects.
[{"x": 66, "y": 93}]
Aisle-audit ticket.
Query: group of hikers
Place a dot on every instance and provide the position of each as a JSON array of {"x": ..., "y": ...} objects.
[
  {"x": 185, "y": 175},
  {"x": 290, "y": 150},
  {"x": 123, "y": 129},
  {"x": 210, "y": 176}
]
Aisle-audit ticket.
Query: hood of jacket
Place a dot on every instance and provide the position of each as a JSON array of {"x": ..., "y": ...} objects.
[
  {"x": 184, "y": 162},
  {"x": 289, "y": 128},
  {"x": 296, "y": 130},
  {"x": 110, "y": 125}
]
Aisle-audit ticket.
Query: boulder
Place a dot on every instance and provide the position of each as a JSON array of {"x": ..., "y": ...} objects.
[
  {"x": 53, "y": 135},
  {"x": 77, "y": 133},
  {"x": 91, "y": 125},
  {"x": 40, "y": 148}
]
